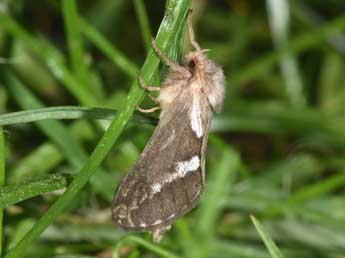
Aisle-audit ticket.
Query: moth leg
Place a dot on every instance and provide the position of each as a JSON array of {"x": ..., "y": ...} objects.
[
  {"x": 166, "y": 59},
  {"x": 149, "y": 110},
  {"x": 152, "y": 88},
  {"x": 152, "y": 98},
  {"x": 148, "y": 88},
  {"x": 191, "y": 32},
  {"x": 143, "y": 85}
]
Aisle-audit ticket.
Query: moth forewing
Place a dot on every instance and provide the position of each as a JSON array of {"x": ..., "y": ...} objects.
[{"x": 168, "y": 178}]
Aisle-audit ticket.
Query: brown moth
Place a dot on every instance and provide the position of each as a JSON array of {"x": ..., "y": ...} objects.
[{"x": 169, "y": 176}]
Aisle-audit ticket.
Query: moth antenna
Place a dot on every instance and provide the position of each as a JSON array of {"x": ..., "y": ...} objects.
[{"x": 191, "y": 32}]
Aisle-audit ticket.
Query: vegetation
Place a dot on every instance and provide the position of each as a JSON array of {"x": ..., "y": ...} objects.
[{"x": 275, "y": 159}]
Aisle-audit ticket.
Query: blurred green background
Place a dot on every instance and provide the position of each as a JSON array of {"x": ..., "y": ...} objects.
[{"x": 275, "y": 152}]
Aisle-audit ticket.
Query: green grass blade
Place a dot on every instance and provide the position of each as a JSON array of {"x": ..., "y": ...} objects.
[
  {"x": 58, "y": 133},
  {"x": 271, "y": 246},
  {"x": 51, "y": 56},
  {"x": 274, "y": 118},
  {"x": 237, "y": 249},
  {"x": 244, "y": 118},
  {"x": 223, "y": 173},
  {"x": 2, "y": 183},
  {"x": 53, "y": 129},
  {"x": 67, "y": 112},
  {"x": 13, "y": 194},
  {"x": 147, "y": 245},
  {"x": 105, "y": 14},
  {"x": 260, "y": 66},
  {"x": 109, "y": 50},
  {"x": 279, "y": 19},
  {"x": 144, "y": 23},
  {"x": 75, "y": 42},
  {"x": 320, "y": 188},
  {"x": 307, "y": 193},
  {"x": 176, "y": 11},
  {"x": 20, "y": 230},
  {"x": 32, "y": 165}
]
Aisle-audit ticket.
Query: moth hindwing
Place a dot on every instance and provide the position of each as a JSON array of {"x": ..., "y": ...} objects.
[{"x": 169, "y": 177}]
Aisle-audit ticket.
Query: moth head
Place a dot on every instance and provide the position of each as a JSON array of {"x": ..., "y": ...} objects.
[
  {"x": 194, "y": 61},
  {"x": 209, "y": 75}
]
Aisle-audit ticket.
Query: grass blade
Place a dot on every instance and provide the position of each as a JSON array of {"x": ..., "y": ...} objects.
[
  {"x": 223, "y": 174},
  {"x": 307, "y": 193},
  {"x": 260, "y": 66},
  {"x": 51, "y": 56},
  {"x": 149, "y": 246},
  {"x": 2, "y": 183},
  {"x": 271, "y": 246},
  {"x": 75, "y": 42},
  {"x": 72, "y": 149},
  {"x": 67, "y": 112},
  {"x": 262, "y": 117},
  {"x": 144, "y": 23},
  {"x": 109, "y": 50},
  {"x": 279, "y": 19},
  {"x": 172, "y": 23},
  {"x": 13, "y": 194},
  {"x": 32, "y": 165}
]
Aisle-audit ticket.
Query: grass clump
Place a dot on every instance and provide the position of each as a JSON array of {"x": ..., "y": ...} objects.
[{"x": 68, "y": 93}]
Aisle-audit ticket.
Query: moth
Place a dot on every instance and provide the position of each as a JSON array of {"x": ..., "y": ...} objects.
[{"x": 169, "y": 176}]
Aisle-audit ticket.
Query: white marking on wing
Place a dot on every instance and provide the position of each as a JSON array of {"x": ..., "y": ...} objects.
[
  {"x": 171, "y": 216},
  {"x": 156, "y": 188},
  {"x": 182, "y": 168},
  {"x": 143, "y": 198},
  {"x": 195, "y": 117},
  {"x": 122, "y": 216},
  {"x": 121, "y": 210},
  {"x": 129, "y": 220},
  {"x": 158, "y": 221},
  {"x": 169, "y": 140}
]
